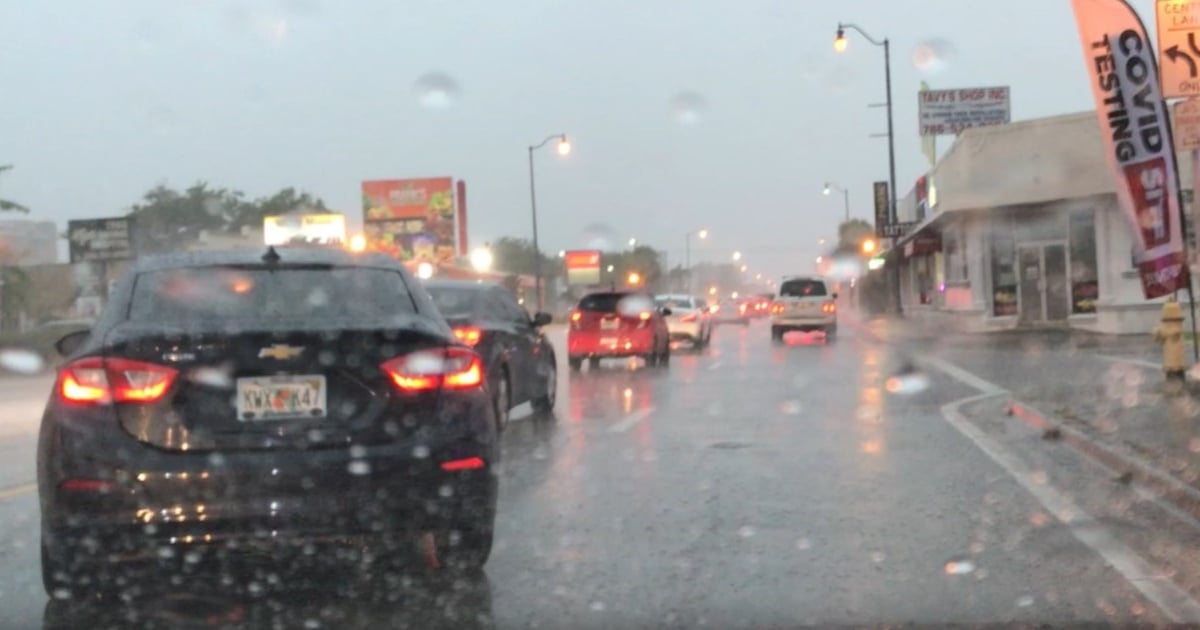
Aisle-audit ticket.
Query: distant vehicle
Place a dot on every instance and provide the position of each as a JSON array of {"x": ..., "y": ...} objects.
[
  {"x": 690, "y": 319},
  {"x": 618, "y": 324},
  {"x": 309, "y": 393},
  {"x": 805, "y": 304},
  {"x": 731, "y": 312},
  {"x": 518, "y": 359}
]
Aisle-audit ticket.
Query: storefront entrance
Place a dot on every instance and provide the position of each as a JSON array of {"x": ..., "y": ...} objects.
[{"x": 1042, "y": 278}]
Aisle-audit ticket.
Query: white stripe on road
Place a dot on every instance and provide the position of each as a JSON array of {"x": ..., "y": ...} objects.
[
  {"x": 962, "y": 375},
  {"x": 1138, "y": 362},
  {"x": 16, "y": 491},
  {"x": 628, "y": 422},
  {"x": 1173, "y": 601}
]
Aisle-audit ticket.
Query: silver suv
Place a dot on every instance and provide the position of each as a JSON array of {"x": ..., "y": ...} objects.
[{"x": 805, "y": 304}]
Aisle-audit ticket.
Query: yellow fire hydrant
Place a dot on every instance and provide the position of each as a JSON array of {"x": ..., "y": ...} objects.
[{"x": 1169, "y": 333}]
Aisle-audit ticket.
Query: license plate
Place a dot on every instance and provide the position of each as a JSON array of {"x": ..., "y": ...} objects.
[
  {"x": 611, "y": 342},
  {"x": 610, "y": 324},
  {"x": 280, "y": 397}
]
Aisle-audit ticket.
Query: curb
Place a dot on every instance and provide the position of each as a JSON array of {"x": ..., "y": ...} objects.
[{"x": 1160, "y": 482}]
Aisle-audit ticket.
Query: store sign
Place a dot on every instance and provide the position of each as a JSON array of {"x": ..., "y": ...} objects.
[
  {"x": 411, "y": 219},
  {"x": 950, "y": 112},
  {"x": 583, "y": 267},
  {"x": 882, "y": 216},
  {"x": 100, "y": 240},
  {"x": 1135, "y": 126},
  {"x": 1187, "y": 125},
  {"x": 897, "y": 230}
]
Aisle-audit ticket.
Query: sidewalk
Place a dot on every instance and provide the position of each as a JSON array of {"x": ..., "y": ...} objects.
[{"x": 1107, "y": 395}]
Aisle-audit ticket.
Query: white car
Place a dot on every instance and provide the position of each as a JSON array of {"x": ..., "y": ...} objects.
[
  {"x": 690, "y": 319},
  {"x": 805, "y": 304}
]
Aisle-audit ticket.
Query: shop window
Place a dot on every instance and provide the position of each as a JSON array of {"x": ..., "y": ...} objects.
[
  {"x": 954, "y": 243},
  {"x": 1085, "y": 285},
  {"x": 1004, "y": 273}
]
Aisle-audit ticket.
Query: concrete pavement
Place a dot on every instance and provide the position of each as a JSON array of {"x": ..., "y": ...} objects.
[{"x": 750, "y": 485}]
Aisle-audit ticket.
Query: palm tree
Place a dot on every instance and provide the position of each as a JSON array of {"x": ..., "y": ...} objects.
[{"x": 10, "y": 206}]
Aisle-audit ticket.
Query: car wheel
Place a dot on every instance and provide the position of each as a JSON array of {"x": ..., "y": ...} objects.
[
  {"x": 665, "y": 358},
  {"x": 594, "y": 363},
  {"x": 544, "y": 404},
  {"x": 502, "y": 399},
  {"x": 651, "y": 358},
  {"x": 575, "y": 363},
  {"x": 464, "y": 548}
]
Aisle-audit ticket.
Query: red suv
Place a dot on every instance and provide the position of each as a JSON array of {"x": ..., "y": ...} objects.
[{"x": 618, "y": 324}]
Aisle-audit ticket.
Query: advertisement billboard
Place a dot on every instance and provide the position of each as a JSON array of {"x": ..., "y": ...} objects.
[
  {"x": 319, "y": 229},
  {"x": 100, "y": 240},
  {"x": 950, "y": 112},
  {"x": 583, "y": 267},
  {"x": 411, "y": 219}
]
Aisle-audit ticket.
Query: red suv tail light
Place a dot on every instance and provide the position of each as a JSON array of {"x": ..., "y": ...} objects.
[
  {"x": 428, "y": 370},
  {"x": 100, "y": 380},
  {"x": 469, "y": 335},
  {"x": 777, "y": 308},
  {"x": 829, "y": 307}
]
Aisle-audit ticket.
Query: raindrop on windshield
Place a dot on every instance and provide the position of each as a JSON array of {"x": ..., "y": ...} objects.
[
  {"x": 791, "y": 407},
  {"x": 746, "y": 531},
  {"x": 907, "y": 383},
  {"x": 933, "y": 55},
  {"x": 359, "y": 467},
  {"x": 598, "y": 606},
  {"x": 1025, "y": 601},
  {"x": 959, "y": 566},
  {"x": 21, "y": 360},
  {"x": 803, "y": 544},
  {"x": 688, "y": 108},
  {"x": 436, "y": 90}
]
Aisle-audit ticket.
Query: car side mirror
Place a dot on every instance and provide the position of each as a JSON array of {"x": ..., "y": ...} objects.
[
  {"x": 666, "y": 312},
  {"x": 542, "y": 319},
  {"x": 71, "y": 342}
]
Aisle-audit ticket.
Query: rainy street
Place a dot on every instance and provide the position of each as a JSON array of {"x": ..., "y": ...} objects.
[{"x": 748, "y": 485}]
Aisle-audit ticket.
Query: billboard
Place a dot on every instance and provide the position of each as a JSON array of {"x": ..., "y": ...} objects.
[
  {"x": 583, "y": 266},
  {"x": 320, "y": 229},
  {"x": 411, "y": 219},
  {"x": 1135, "y": 125},
  {"x": 949, "y": 112},
  {"x": 100, "y": 240}
]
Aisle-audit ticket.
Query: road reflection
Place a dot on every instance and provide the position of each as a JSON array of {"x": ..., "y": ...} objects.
[{"x": 417, "y": 602}]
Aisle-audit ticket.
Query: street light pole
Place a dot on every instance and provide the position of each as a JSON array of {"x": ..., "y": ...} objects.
[
  {"x": 687, "y": 255},
  {"x": 845, "y": 196},
  {"x": 839, "y": 44},
  {"x": 564, "y": 148}
]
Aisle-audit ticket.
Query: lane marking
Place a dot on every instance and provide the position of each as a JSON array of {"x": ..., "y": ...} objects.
[
  {"x": 628, "y": 422},
  {"x": 1138, "y": 362},
  {"x": 1175, "y": 603},
  {"x": 963, "y": 376},
  {"x": 16, "y": 491}
]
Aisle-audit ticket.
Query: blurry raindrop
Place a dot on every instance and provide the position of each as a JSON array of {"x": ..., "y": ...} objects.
[
  {"x": 21, "y": 360},
  {"x": 1194, "y": 445},
  {"x": 312, "y": 624},
  {"x": 318, "y": 297},
  {"x": 1038, "y": 477},
  {"x": 933, "y": 55},
  {"x": 877, "y": 557},
  {"x": 359, "y": 467},
  {"x": 191, "y": 557},
  {"x": 1130, "y": 399},
  {"x": 1025, "y": 601},
  {"x": 746, "y": 531},
  {"x": 688, "y": 108},
  {"x": 445, "y": 491},
  {"x": 219, "y": 378},
  {"x": 358, "y": 451},
  {"x": 597, "y": 606},
  {"x": 420, "y": 451},
  {"x": 599, "y": 236},
  {"x": 216, "y": 459},
  {"x": 977, "y": 547},
  {"x": 907, "y": 381},
  {"x": 61, "y": 593},
  {"x": 255, "y": 588},
  {"x": 959, "y": 566},
  {"x": 166, "y": 552},
  {"x": 803, "y": 544},
  {"x": 436, "y": 90},
  {"x": 791, "y": 407}
]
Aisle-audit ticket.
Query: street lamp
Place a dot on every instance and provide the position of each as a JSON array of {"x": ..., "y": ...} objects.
[
  {"x": 687, "y": 255},
  {"x": 737, "y": 256},
  {"x": 868, "y": 246},
  {"x": 745, "y": 268},
  {"x": 482, "y": 259},
  {"x": 830, "y": 187},
  {"x": 634, "y": 278},
  {"x": 839, "y": 45},
  {"x": 632, "y": 242},
  {"x": 564, "y": 148}
]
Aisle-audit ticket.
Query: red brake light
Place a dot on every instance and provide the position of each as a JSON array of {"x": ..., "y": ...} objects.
[
  {"x": 576, "y": 316},
  {"x": 644, "y": 315},
  {"x": 428, "y": 370},
  {"x": 86, "y": 485},
  {"x": 469, "y": 335},
  {"x": 829, "y": 307},
  {"x": 469, "y": 463},
  {"x": 99, "y": 380}
]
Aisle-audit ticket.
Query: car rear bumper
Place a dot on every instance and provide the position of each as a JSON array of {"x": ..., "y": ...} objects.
[
  {"x": 684, "y": 330},
  {"x": 617, "y": 343},
  {"x": 811, "y": 323}
]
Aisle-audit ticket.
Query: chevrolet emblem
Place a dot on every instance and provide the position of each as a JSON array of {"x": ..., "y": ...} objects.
[{"x": 280, "y": 352}]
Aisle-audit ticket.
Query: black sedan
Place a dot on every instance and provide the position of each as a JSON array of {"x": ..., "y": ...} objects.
[
  {"x": 242, "y": 403},
  {"x": 519, "y": 360}
]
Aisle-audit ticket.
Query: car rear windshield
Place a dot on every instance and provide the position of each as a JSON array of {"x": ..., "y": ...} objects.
[
  {"x": 602, "y": 302},
  {"x": 256, "y": 294},
  {"x": 802, "y": 288},
  {"x": 454, "y": 301},
  {"x": 675, "y": 303}
]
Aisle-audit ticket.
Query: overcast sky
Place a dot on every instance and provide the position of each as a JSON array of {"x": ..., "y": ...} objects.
[{"x": 101, "y": 100}]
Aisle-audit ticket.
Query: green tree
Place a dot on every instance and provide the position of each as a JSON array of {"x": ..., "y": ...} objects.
[
  {"x": 516, "y": 255},
  {"x": 15, "y": 288},
  {"x": 11, "y": 206},
  {"x": 851, "y": 234}
]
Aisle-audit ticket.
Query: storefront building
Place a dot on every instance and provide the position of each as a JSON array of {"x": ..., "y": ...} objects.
[{"x": 1018, "y": 227}]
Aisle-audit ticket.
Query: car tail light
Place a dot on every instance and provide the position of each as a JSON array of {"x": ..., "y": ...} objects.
[
  {"x": 469, "y": 335},
  {"x": 742, "y": 307},
  {"x": 690, "y": 317},
  {"x": 576, "y": 316},
  {"x": 644, "y": 316},
  {"x": 468, "y": 463},
  {"x": 86, "y": 485},
  {"x": 428, "y": 370},
  {"x": 829, "y": 307},
  {"x": 776, "y": 308},
  {"x": 101, "y": 380}
]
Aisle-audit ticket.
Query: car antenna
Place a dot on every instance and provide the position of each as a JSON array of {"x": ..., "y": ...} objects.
[{"x": 272, "y": 256}]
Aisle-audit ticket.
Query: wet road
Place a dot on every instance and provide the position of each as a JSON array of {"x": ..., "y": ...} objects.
[{"x": 749, "y": 485}]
